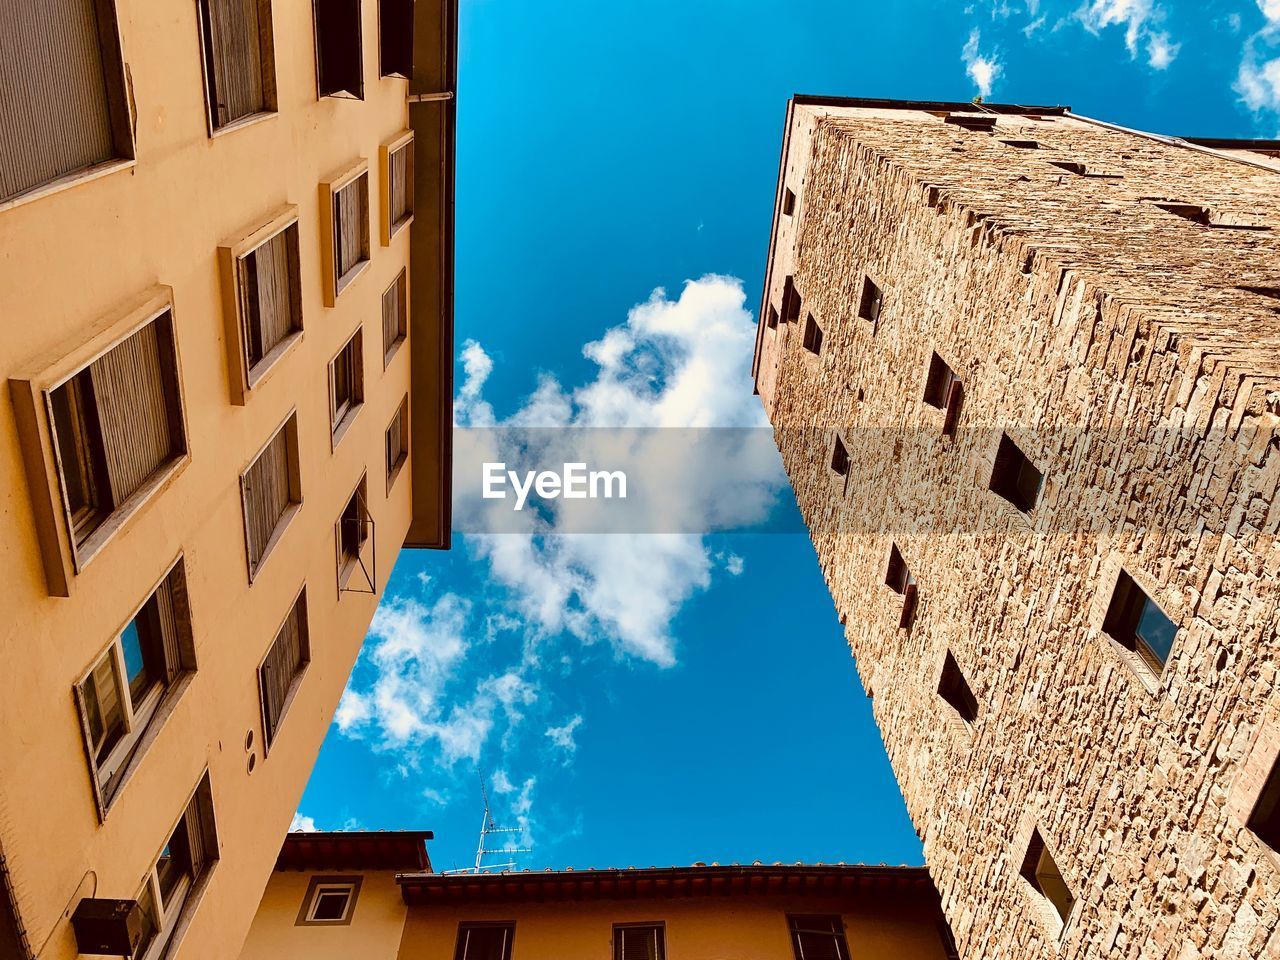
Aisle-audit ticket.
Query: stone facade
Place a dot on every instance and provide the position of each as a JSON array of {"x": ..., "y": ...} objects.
[{"x": 1132, "y": 352}]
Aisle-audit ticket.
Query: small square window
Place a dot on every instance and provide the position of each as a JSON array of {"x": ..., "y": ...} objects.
[
  {"x": 791, "y": 302},
  {"x": 978, "y": 123},
  {"x": 771, "y": 317},
  {"x": 354, "y": 528},
  {"x": 1135, "y": 622},
  {"x": 339, "y": 50},
  {"x": 897, "y": 577},
  {"x": 1014, "y": 477},
  {"x": 812, "y": 335},
  {"x": 639, "y": 941},
  {"x": 397, "y": 442},
  {"x": 818, "y": 938},
  {"x": 329, "y": 901},
  {"x": 840, "y": 459},
  {"x": 396, "y": 185},
  {"x": 239, "y": 59},
  {"x": 395, "y": 38},
  {"x": 395, "y": 316},
  {"x": 1022, "y": 144},
  {"x": 1265, "y": 819},
  {"x": 871, "y": 301},
  {"x": 788, "y": 203},
  {"x": 484, "y": 941},
  {"x": 1081, "y": 170},
  {"x": 1039, "y": 870},
  {"x": 937, "y": 386},
  {"x": 954, "y": 689},
  {"x": 346, "y": 386}
]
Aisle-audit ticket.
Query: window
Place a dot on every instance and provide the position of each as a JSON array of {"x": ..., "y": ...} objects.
[
  {"x": 352, "y": 534},
  {"x": 791, "y": 302},
  {"x": 639, "y": 941},
  {"x": 788, "y": 202},
  {"x": 239, "y": 59},
  {"x": 484, "y": 941},
  {"x": 1014, "y": 477},
  {"x": 182, "y": 864},
  {"x": 329, "y": 901},
  {"x": 117, "y": 426},
  {"x": 346, "y": 386},
  {"x": 281, "y": 670},
  {"x": 812, "y": 335},
  {"x": 1136, "y": 623},
  {"x": 978, "y": 123},
  {"x": 125, "y": 688},
  {"x": 899, "y": 579},
  {"x": 395, "y": 38},
  {"x": 1080, "y": 170},
  {"x": 397, "y": 442},
  {"x": 395, "y": 316},
  {"x": 954, "y": 689},
  {"x": 1022, "y": 144},
  {"x": 818, "y": 938},
  {"x": 871, "y": 301},
  {"x": 942, "y": 389},
  {"x": 397, "y": 186},
  {"x": 344, "y": 216},
  {"x": 771, "y": 317},
  {"x": 65, "y": 111},
  {"x": 339, "y": 62},
  {"x": 263, "y": 298},
  {"x": 1039, "y": 870},
  {"x": 1265, "y": 819},
  {"x": 839, "y": 458},
  {"x": 271, "y": 493},
  {"x": 1208, "y": 217}
]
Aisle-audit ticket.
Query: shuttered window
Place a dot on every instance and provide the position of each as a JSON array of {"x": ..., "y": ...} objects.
[
  {"x": 123, "y": 691},
  {"x": 484, "y": 941},
  {"x": 353, "y": 529},
  {"x": 239, "y": 71},
  {"x": 818, "y": 938},
  {"x": 188, "y": 853},
  {"x": 395, "y": 316},
  {"x": 117, "y": 424},
  {"x": 62, "y": 103},
  {"x": 346, "y": 385},
  {"x": 270, "y": 291},
  {"x": 271, "y": 492},
  {"x": 395, "y": 38},
  {"x": 282, "y": 668},
  {"x": 639, "y": 942},
  {"x": 339, "y": 63},
  {"x": 350, "y": 229},
  {"x": 397, "y": 442},
  {"x": 398, "y": 187}
]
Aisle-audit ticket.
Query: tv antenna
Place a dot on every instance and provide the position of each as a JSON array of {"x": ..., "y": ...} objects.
[{"x": 485, "y": 852}]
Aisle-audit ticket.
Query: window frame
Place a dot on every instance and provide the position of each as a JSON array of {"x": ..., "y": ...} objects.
[
  {"x": 394, "y": 469},
  {"x": 1030, "y": 870},
  {"x": 31, "y": 389},
  {"x": 466, "y": 926},
  {"x": 271, "y": 733},
  {"x": 660, "y": 931},
  {"x": 840, "y": 936},
  {"x": 343, "y": 413},
  {"x": 339, "y": 93},
  {"x": 347, "y": 563},
  {"x": 232, "y": 256},
  {"x": 389, "y": 350},
  {"x": 321, "y": 884},
  {"x": 1126, "y": 606},
  {"x": 333, "y": 285},
  {"x": 290, "y": 425},
  {"x": 870, "y": 301},
  {"x": 267, "y": 66},
  {"x": 813, "y": 336},
  {"x": 403, "y": 141},
  {"x": 120, "y": 115}
]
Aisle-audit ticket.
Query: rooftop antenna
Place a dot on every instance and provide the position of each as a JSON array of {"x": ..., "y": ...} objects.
[{"x": 485, "y": 852}]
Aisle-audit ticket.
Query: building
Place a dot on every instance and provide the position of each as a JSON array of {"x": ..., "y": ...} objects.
[
  {"x": 225, "y": 273},
  {"x": 373, "y": 895},
  {"x": 1024, "y": 371}
]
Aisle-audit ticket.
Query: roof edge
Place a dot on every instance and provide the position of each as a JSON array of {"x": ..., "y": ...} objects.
[{"x": 818, "y": 100}]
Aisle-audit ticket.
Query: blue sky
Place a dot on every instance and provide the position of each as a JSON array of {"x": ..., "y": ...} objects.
[{"x": 659, "y": 700}]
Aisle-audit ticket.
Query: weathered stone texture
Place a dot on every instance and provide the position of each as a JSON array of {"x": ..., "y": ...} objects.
[{"x": 1113, "y": 342}]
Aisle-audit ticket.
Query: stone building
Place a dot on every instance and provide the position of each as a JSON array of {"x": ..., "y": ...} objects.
[
  {"x": 1024, "y": 371},
  {"x": 374, "y": 896},
  {"x": 226, "y": 291}
]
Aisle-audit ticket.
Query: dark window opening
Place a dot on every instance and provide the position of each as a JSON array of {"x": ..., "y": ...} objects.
[
  {"x": 812, "y": 335},
  {"x": 771, "y": 317},
  {"x": 1081, "y": 170},
  {"x": 791, "y": 302},
  {"x": 484, "y": 941},
  {"x": 1022, "y": 144},
  {"x": 1265, "y": 819},
  {"x": 395, "y": 38},
  {"x": 331, "y": 905},
  {"x": 354, "y": 527},
  {"x": 937, "y": 386},
  {"x": 1039, "y": 870},
  {"x": 818, "y": 938},
  {"x": 979, "y": 124},
  {"x": 1272, "y": 293},
  {"x": 897, "y": 577},
  {"x": 954, "y": 689},
  {"x": 788, "y": 203},
  {"x": 339, "y": 60},
  {"x": 871, "y": 301},
  {"x": 1014, "y": 477},
  {"x": 640, "y": 942},
  {"x": 1136, "y": 623},
  {"x": 840, "y": 458}
]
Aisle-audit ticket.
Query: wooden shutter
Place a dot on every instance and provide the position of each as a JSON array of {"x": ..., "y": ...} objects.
[
  {"x": 55, "y": 102},
  {"x": 393, "y": 308},
  {"x": 201, "y": 837},
  {"x": 170, "y": 637},
  {"x": 285, "y": 658},
  {"x": 395, "y": 37},
  {"x": 136, "y": 414},
  {"x": 269, "y": 272},
  {"x": 400, "y": 184},
  {"x": 339, "y": 64},
  {"x": 233, "y": 59},
  {"x": 266, "y": 495},
  {"x": 351, "y": 225},
  {"x": 638, "y": 943}
]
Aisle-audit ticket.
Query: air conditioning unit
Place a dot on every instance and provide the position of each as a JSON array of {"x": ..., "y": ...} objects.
[{"x": 107, "y": 927}]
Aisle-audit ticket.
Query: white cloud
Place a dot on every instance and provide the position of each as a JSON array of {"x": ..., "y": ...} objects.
[
  {"x": 1271, "y": 10},
  {"x": 982, "y": 70},
  {"x": 1258, "y": 82},
  {"x": 1161, "y": 50},
  {"x": 563, "y": 736},
  {"x": 734, "y": 564},
  {"x": 1139, "y": 19},
  {"x": 302, "y": 824},
  {"x": 501, "y": 782}
]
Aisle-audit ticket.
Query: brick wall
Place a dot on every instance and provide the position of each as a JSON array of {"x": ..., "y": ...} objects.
[{"x": 1111, "y": 341}]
